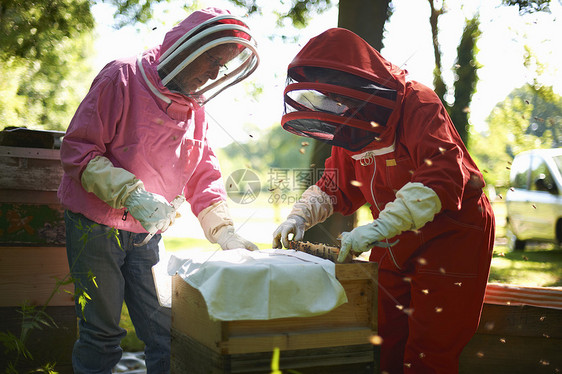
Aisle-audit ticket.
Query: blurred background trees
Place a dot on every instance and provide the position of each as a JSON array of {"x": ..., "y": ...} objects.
[{"x": 47, "y": 46}]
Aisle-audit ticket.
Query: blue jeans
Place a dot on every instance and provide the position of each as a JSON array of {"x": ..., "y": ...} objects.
[{"x": 122, "y": 272}]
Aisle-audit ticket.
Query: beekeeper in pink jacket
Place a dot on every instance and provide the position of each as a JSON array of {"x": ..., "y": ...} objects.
[{"x": 137, "y": 144}]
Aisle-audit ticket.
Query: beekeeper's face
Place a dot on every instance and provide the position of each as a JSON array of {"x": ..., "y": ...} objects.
[
  {"x": 208, "y": 59},
  {"x": 206, "y": 67}
]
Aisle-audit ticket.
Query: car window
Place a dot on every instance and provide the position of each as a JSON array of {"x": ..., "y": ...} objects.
[
  {"x": 539, "y": 170},
  {"x": 520, "y": 171},
  {"x": 558, "y": 162}
]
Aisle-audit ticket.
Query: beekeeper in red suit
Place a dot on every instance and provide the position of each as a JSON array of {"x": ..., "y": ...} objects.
[
  {"x": 135, "y": 149},
  {"x": 395, "y": 148}
]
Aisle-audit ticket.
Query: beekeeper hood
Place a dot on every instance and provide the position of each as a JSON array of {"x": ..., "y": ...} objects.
[
  {"x": 341, "y": 91},
  {"x": 206, "y": 53}
]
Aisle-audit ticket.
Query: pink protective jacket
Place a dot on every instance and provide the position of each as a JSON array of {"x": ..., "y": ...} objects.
[{"x": 162, "y": 143}]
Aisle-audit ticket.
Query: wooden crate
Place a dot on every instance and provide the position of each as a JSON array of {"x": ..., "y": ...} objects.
[
  {"x": 513, "y": 339},
  {"x": 334, "y": 342},
  {"x": 33, "y": 255},
  {"x": 30, "y": 210}
]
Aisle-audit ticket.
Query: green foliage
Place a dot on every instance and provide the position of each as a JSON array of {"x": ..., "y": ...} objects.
[
  {"x": 290, "y": 152},
  {"x": 275, "y": 361},
  {"x": 529, "y": 6},
  {"x": 129, "y": 12},
  {"x": 31, "y": 29},
  {"x": 130, "y": 343},
  {"x": 44, "y": 47},
  {"x": 43, "y": 91},
  {"x": 540, "y": 266},
  {"x": 298, "y": 12},
  {"x": 510, "y": 130}
]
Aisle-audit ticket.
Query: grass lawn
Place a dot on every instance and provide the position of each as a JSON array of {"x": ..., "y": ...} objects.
[{"x": 539, "y": 265}]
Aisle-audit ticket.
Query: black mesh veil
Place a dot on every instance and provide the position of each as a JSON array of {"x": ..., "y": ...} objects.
[{"x": 336, "y": 107}]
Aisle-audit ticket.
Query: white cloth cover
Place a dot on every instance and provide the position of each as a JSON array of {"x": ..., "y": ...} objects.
[{"x": 260, "y": 285}]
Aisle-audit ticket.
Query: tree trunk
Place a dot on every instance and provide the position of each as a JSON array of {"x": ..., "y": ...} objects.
[
  {"x": 438, "y": 83},
  {"x": 466, "y": 72},
  {"x": 366, "y": 18}
]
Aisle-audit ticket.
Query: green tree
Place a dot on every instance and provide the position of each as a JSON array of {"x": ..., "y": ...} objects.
[
  {"x": 465, "y": 70},
  {"x": 291, "y": 152},
  {"x": 512, "y": 128},
  {"x": 529, "y": 6},
  {"x": 44, "y": 46},
  {"x": 466, "y": 66},
  {"x": 529, "y": 117},
  {"x": 45, "y": 93}
]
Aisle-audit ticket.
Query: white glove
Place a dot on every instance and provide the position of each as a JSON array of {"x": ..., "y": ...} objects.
[
  {"x": 218, "y": 227},
  {"x": 314, "y": 206},
  {"x": 152, "y": 210},
  {"x": 229, "y": 239},
  {"x": 360, "y": 239},
  {"x": 414, "y": 206},
  {"x": 293, "y": 225}
]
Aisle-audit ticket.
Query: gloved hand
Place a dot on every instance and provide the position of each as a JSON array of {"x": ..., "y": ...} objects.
[
  {"x": 229, "y": 239},
  {"x": 295, "y": 225},
  {"x": 414, "y": 206},
  {"x": 314, "y": 206},
  {"x": 218, "y": 227},
  {"x": 152, "y": 210},
  {"x": 360, "y": 239}
]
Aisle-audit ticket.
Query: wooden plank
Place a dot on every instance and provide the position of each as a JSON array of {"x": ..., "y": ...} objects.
[
  {"x": 294, "y": 340},
  {"x": 515, "y": 339},
  {"x": 30, "y": 274},
  {"x": 25, "y": 152},
  {"x": 48, "y": 344},
  {"x": 38, "y": 174},
  {"x": 303, "y": 359},
  {"x": 190, "y": 315},
  {"x": 357, "y": 270},
  {"x": 525, "y": 321},
  {"x": 511, "y": 355},
  {"x": 29, "y": 197},
  {"x": 189, "y": 356}
]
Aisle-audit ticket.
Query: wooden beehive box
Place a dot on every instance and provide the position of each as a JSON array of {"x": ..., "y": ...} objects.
[
  {"x": 32, "y": 250},
  {"x": 31, "y": 213},
  {"x": 334, "y": 342},
  {"x": 517, "y": 339}
]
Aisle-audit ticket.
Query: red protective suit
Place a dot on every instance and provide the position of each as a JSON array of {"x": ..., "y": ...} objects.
[{"x": 431, "y": 284}]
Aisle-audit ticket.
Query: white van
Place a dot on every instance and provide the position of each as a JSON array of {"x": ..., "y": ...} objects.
[{"x": 534, "y": 200}]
